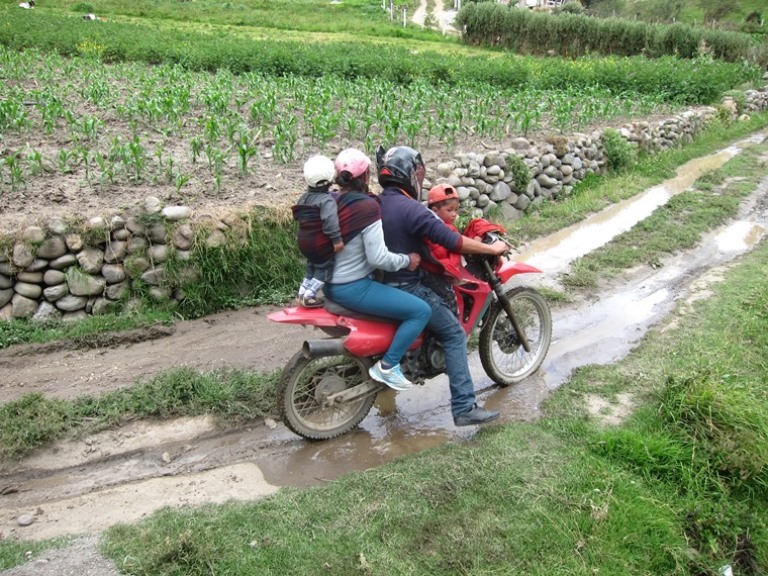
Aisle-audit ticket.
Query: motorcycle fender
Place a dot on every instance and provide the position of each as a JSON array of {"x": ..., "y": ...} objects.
[
  {"x": 369, "y": 338},
  {"x": 509, "y": 269},
  {"x": 366, "y": 337},
  {"x": 305, "y": 316}
]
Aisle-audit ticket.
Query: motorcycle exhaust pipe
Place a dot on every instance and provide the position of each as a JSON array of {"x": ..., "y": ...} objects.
[{"x": 319, "y": 348}]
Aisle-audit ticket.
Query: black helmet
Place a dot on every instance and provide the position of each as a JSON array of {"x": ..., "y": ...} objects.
[{"x": 402, "y": 167}]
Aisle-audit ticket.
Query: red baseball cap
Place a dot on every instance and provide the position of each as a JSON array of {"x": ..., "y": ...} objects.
[{"x": 441, "y": 192}]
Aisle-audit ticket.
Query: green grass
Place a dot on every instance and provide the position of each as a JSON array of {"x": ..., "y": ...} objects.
[
  {"x": 510, "y": 503},
  {"x": 688, "y": 11},
  {"x": 231, "y": 395},
  {"x": 13, "y": 553},
  {"x": 80, "y": 333},
  {"x": 678, "y": 488},
  {"x": 259, "y": 264},
  {"x": 361, "y": 17}
]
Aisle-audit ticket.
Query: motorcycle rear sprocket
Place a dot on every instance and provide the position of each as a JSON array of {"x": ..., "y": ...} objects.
[{"x": 306, "y": 382}]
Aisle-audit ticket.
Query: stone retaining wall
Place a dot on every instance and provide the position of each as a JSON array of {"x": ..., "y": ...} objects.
[
  {"x": 54, "y": 273},
  {"x": 484, "y": 182}
]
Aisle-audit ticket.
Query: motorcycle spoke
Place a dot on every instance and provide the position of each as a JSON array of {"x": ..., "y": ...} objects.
[
  {"x": 503, "y": 355},
  {"x": 313, "y": 383}
]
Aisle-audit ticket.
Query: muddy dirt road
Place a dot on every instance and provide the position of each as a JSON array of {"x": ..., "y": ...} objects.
[{"x": 83, "y": 486}]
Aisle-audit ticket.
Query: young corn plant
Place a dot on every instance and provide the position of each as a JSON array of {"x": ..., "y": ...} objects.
[
  {"x": 64, "y": 160},
  {"x": 14, "y": 167},
  {"x": 35, "y": 162},
  {"x": 246, "y": 148},
  {"x": 86, "y": 158},
  {"x": 49, "y": 116},
  {"x": 137, "y": 157},
  {"x": 285, "y": 136},
  {"x": 106, "y": 169},
  {"x": 181, "y": 179},
  {"x": 13, "y": 115},
  {"x": 212, "y": 130},
  {"x": 89, "y": 127}
]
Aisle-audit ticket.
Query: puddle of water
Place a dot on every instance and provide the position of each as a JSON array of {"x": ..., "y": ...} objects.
[
  {"x": 739, "y": 236},
  {"x": 553, "y": 253},
  {"x": 603, "y": 332}
]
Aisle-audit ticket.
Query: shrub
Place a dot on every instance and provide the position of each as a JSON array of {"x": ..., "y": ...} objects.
[
  {"x": 571, "y": 33},
  {"x": 81, "y": 7},
  {"x": 619, "y": 151},
  {"x": 572, "y": 7},
  {"x": 754, "y": 17},
  {"x": 739, "y": 97},
  {"x": 519, "y": 169}
]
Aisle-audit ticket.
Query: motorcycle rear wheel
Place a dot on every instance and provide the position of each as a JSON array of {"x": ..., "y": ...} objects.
[
  {"x": 502, "y": 355},
  {"x": 306, "y": 382}
]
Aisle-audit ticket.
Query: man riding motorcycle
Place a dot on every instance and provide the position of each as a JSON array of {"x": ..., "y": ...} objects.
[{"x": 406, "y": 223}]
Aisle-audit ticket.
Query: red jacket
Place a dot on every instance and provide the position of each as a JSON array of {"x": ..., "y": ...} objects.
[{"x": 450, "y": 261}]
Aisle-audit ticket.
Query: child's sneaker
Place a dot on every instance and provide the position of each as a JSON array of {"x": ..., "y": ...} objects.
[
  {"x": 310, "y": 301},
  {"x": 393, "y": 377}
]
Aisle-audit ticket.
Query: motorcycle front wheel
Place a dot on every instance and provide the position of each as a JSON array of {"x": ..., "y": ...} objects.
[
  {"x": 501, "y": 353},
  {"x": 307, "y": 382}
]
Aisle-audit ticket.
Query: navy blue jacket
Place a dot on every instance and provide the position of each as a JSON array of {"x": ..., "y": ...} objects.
[{"x": 406, "y": 223}]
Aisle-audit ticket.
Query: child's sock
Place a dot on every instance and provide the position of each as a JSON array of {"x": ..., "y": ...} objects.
[
  {"x": 304, "y": 286},
  {"x": 314, "y": 287}
]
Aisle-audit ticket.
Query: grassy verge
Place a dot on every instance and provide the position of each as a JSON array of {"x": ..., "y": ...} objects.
[
  {"x": 677, "y": 488},
  {"x": 231, "y": 395},
  {"x": 677, "y": 225},
  {"x": 86, "y": 330}
]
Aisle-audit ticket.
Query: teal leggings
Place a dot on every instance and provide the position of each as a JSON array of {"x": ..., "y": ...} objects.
[{"x": 371, "y": 297}]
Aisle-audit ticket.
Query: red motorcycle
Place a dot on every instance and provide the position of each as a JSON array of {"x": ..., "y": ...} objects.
[{"x": 325, "y": 390}]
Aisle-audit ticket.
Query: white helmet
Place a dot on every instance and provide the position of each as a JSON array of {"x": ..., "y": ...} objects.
[{"x": 319, "y": 171}]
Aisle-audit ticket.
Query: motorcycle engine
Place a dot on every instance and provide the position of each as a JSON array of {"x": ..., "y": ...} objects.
[{"x": 426, "y": 362}]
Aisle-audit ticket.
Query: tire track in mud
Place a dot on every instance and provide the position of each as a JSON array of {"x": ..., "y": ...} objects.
[{"x": 71, "y": 487}]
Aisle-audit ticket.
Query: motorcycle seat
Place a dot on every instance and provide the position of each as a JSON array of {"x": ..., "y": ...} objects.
[{"x": 339, "y": 310}]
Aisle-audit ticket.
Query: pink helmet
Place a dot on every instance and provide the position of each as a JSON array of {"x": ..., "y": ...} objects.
[{"x": 353, "y": 161}]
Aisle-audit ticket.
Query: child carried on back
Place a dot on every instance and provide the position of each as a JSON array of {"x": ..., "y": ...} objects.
[{"x": 319, "y": 235}]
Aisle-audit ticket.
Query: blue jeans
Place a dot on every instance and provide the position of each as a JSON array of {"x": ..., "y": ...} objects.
[
  {"x": 371, "y": 297},
  {"x": 446, "y": 327},
  {"x": 322, "y": 271}
]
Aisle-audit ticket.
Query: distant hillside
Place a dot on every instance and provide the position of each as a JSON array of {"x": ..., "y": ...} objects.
[{"x": 735, "y": 14}]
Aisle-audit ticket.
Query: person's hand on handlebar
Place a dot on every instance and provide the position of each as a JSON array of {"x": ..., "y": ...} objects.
[{"x": 499, "y": 247}]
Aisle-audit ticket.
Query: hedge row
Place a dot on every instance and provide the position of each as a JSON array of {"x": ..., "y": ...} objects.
[
  {"x": 689, "y": 82},
  {"x": 575, "y": 35}
]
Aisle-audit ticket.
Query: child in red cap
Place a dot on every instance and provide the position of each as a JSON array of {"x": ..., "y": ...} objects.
[
  {"x": 444, "y": 269},
  {"x": 443, "y": 200}
]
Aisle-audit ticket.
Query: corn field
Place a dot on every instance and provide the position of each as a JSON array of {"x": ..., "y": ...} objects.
[{"x": 163, "y": 124}]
